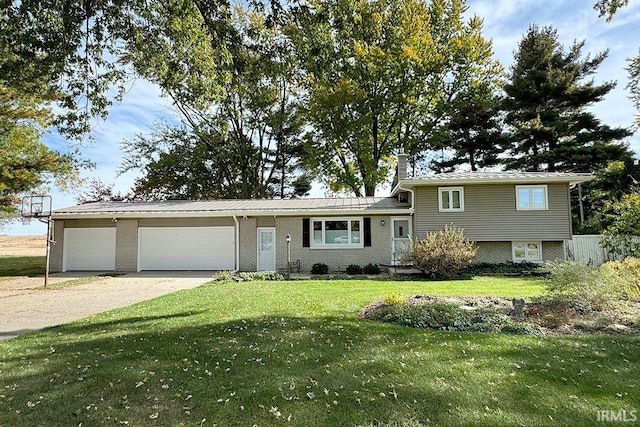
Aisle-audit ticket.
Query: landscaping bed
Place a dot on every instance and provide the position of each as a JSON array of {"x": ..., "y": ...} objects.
[{"x": 498, "y": 315}]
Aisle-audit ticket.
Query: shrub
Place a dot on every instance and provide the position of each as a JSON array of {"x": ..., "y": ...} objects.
[
  {"x": 442, "y": 253},
  {"x": 485, "y": 320},
  {"x": 619, "y": 237},
  {"x": 443, "y": 316},
  {"x": 584, "y": 287},
  {"x": 223, "y": 276},
  {"x": 371, "y": 269},
  {"x": 624, "y": 276},
  {"x": 394, "y": 299},
  {"x": 354, "y": 269},
  {"x": 506, "y": 268},
  {"x": 319, "y": 268},
  {"x": 520, "y": 328},
  {"x": 260, "y": 275}
]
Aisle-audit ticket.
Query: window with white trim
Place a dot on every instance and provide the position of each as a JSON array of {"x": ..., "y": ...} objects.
[
  {"x": 337, "y": 232},
  {"x": 531, "y": 197},
  {"x": 451, "y": 199},
  {"x": 526, "y": 251}
]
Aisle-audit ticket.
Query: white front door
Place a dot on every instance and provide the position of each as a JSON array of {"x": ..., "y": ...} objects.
[
  {"x": 266, "y": 249},
  {"x": 401, "y": 241}
]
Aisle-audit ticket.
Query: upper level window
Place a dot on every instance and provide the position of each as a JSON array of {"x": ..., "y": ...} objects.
[
  {"x": 337, "y": 232},
  {"x": 451, "y": 199},
  {"x": 531, "y": 197}
]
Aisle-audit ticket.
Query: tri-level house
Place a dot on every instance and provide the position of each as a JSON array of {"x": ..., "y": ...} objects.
[{"x": 512, "y": 216}]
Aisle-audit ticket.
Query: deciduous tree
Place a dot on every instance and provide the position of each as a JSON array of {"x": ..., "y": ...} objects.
[
  {"x": 244, "y": 144},
  {"x": 82, "y": 54},
  {"x": 25, "y": 162},
  {"x": 380, "y": 75}
]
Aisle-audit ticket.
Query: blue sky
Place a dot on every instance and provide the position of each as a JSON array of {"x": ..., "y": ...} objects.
[{"x": 505, "y": 22}]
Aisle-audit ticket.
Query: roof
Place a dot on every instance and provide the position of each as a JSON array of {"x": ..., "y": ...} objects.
[
  {"x": 220, "y": 208},
  {"x": 494, "y": 177}
]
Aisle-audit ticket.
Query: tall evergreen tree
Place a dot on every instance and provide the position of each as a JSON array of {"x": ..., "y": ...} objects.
[
  {"x": 547, "y": 96},
  {"x": 609, "y": 8},
  {"x": 474, "y": 130}
]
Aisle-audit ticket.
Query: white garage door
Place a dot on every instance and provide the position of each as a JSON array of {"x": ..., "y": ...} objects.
[
  {"x": 89, "y": 249},
  {"x": 185, "y": 248}
]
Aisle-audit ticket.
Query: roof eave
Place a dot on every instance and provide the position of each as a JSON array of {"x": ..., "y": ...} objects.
[
  {"x": 218, "y": 214},
  {"x": 570, "y": 180}
]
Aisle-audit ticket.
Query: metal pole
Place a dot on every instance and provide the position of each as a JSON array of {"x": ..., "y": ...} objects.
[{"x": 46, "y": 267}]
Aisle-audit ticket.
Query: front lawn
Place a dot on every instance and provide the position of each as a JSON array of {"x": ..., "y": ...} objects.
[
  {"x": 295, "y": 353},
  {"x": 21, "y": 266}
]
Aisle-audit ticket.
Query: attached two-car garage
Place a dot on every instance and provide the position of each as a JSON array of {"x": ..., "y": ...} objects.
[{"x": 158, "y": 248}]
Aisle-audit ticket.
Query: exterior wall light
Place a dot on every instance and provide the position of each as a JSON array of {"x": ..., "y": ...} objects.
[{"x": 382, "y": 222}]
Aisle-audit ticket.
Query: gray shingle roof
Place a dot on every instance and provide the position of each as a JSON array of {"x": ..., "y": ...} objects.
[{"x": 285, "y": 207}]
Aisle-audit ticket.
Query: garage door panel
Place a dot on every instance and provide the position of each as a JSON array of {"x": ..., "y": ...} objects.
[
  {"x": 89, "y": 249},
  {"x": 186, "y": 248}
]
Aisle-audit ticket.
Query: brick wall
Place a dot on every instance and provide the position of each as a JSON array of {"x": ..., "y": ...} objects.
[
  {"x": 127, "y": 245},
  {"x": 336, "y": 259},
  {"x": 500, "y": 252},
  {"x": 55, "y": 254},
  {"x": 553, "y": 251},
  {"x": 493, "y": 252},
  {"x": 249, "y": 244}
]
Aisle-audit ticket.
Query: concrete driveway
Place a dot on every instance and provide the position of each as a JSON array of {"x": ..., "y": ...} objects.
[{"x": 25, "y": 305}]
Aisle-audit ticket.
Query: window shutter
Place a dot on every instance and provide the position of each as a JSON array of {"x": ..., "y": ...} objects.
[
  {"x": 305, "y": 232},
  {"x": 367, "y": 231}
]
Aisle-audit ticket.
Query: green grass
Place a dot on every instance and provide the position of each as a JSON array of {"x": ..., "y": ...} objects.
[
  {"x": 295, "y": 353},
  {"x": 11, "y": 266}
]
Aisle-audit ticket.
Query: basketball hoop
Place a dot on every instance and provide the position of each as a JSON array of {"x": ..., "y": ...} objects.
[
  {"x": 36, "y": 207},
  {"x": 39, "y": 207}
]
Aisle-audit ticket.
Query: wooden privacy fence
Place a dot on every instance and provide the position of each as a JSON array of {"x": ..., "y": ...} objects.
[{"x": 586, "y": 249}]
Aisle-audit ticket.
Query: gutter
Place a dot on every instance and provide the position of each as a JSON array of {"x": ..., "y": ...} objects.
[
  {"x": 413, "y": 195},
  {"x": 218, "y": 214}
]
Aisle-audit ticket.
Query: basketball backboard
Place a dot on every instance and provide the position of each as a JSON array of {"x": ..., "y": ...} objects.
[{"x": 36, "y": 207}]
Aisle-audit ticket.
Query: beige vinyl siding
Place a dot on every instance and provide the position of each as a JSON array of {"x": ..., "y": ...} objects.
[
  {"x": 186, "y": 222},
  {"x": 490, "y": 214}
]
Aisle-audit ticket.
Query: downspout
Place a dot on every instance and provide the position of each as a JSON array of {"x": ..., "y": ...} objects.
[
  {"x": 413, "y": 208},
  {"x": 237, "y": 243}
]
